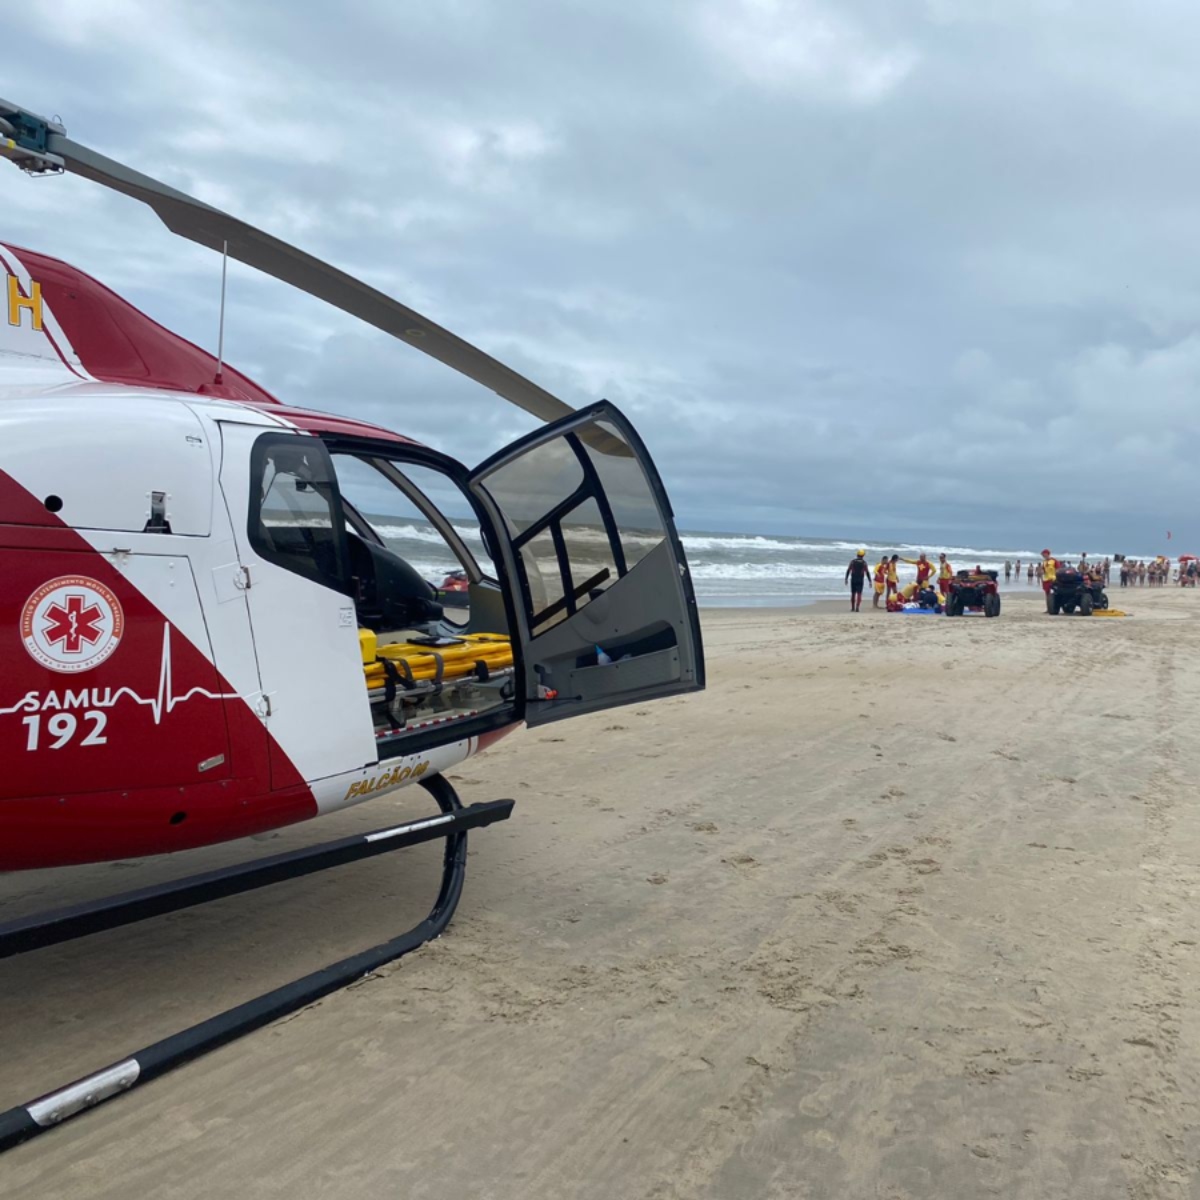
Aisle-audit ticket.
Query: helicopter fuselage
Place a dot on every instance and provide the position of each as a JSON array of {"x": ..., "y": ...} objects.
[{"x": 204, "y": 632}]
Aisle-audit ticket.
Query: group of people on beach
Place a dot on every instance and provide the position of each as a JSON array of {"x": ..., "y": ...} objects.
[
  {"x": 1156, "y": 573},
  {"x": 1035, "y": 572},
  {"x": 932, "y": 579}
]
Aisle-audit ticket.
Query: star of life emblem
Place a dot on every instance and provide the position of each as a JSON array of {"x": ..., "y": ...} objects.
[{"x": 71, "y": 624}]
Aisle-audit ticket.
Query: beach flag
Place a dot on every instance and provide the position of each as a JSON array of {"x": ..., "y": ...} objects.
[{"x": 1168, "y": 535}]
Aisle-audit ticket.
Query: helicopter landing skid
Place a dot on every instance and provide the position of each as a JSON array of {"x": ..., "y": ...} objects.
[{"x": 26, "y": 1121}]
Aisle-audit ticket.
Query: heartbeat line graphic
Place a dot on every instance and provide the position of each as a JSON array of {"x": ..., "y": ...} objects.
[{"x": 163, "y": 702}]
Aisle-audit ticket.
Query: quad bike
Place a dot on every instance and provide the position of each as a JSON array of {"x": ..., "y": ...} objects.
[
  {"x": 1072, "y": 592},
  {"x": 974, "y": 590},
  {"x": 454, "y": 590}
]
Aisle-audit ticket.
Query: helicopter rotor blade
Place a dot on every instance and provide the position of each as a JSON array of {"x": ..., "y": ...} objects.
[{"x": 40, "y": 147}]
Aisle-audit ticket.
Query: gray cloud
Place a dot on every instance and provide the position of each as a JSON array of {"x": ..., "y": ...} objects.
[{"x": 852, "y": 268}]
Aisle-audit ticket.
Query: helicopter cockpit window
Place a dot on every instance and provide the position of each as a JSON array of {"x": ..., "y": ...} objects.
[
  {"x": 411, "y": 511},
  {"x": 295, "y": 516},
  {"x": 581, "y": 515}
]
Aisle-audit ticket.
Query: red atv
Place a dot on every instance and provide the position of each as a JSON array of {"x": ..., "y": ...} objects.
[
  {"x": 454, "y": 590},
  {"x": 456, "y": 581},
  {"x": 974, "y": 590}
]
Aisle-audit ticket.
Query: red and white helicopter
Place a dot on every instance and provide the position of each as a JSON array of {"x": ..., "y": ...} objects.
[{"x": 203, "y": 631}]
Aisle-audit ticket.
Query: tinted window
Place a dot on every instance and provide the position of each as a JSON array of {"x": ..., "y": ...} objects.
[
  {"x": 295, "y": 514},
  {"x": 627, "y": 490},
  {"x": 581, "y": 513}
]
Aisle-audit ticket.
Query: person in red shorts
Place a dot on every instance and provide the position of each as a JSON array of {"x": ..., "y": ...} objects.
[
  {"x": 893, "y": 575},
  {"x": 880, "y": 581},
  {"x": 945, "y": 574},
  {"x": 924, "y": 568},
  {"x": 1050, "y": 567}
]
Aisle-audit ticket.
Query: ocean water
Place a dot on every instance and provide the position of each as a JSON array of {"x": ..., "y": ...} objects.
[{"x": 730, "y": 569}]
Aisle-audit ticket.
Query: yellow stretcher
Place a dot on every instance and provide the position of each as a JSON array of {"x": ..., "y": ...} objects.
[{"x": 419, "y": 663}]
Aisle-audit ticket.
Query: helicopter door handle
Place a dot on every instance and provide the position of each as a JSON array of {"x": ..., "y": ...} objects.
[{"x": 230, "y": 581}]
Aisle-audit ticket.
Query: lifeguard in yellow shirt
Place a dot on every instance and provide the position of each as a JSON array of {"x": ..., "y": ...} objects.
[
  {"x": 945, "y": 574},
  {"x": 1049, "y": 574},
  {"x": 880, "y": 581}
]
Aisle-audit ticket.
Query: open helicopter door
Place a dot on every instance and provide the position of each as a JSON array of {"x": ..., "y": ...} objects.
[{"x": 605, "y": 609}]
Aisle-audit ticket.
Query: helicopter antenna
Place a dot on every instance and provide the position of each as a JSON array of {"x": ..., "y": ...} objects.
[{"x": 218, "y": 377}]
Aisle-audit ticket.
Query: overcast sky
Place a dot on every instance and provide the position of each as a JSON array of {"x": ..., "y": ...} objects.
[{"x": 863, "y": 267}]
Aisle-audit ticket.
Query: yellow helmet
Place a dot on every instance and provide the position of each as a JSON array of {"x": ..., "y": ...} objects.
[{"x": 862, "y": 554}]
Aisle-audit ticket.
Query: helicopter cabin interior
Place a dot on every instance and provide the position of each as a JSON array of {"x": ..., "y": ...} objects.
[
  {"x": 577, "y": 515},
  {"x": 348, "y": 519}
]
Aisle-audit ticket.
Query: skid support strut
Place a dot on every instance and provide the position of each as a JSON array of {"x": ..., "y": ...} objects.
[{"x": 27, "y": 1120}]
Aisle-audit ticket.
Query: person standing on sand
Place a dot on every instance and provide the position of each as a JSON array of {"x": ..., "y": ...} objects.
[
  {"x": 924, "y": 568},
  {"x": 856, "y": 577},
  {"x": 1017, "y": 570},
  {"x": 880, "y": 581},
  {"x": 1007, "y": 570},
  {"x": 893, "y": 575},
  {"x": 945, "y": 574},
  {"x": 1049, "y": 570},
  {"x": 1031, "y": 572}
]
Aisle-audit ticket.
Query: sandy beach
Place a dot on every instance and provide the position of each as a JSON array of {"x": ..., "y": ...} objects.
[{"x": 898, "y": 908}]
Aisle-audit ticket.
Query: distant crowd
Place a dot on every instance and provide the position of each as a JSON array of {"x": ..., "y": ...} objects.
[
  {"x": 1035, "y": 572},
  {"x": 1131, "y": 572}
]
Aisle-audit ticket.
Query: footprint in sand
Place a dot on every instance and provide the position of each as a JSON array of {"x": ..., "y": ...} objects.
[
  {"x": 946, "y": 737},
  {"x": 741, "y": 860},
  {"x": 705, "y": 827}
]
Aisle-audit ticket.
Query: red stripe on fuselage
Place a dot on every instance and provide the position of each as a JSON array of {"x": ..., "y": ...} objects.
[{"x": 121, "y": 798}]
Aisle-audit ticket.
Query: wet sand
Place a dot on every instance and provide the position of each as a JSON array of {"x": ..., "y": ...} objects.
[{"x": 900, "y": 907}]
